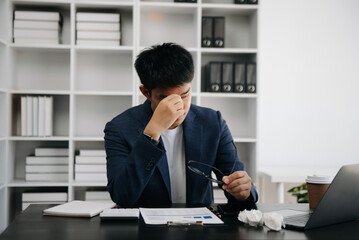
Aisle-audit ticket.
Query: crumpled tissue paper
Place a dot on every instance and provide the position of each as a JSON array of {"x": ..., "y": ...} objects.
[{"x": 255, "y": 218}]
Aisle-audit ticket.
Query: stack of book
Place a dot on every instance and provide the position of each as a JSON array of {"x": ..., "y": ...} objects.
[
  {"x": 97, "y": 196},
  {"x": 36, "y": 116},
  {"x": 43, "y": 198},
  {"x": 48, "y": 164},
  {"x": 98, "y": 29},
  {"x": 90, "y": 165},
  {"x": 37, "y": 27}
]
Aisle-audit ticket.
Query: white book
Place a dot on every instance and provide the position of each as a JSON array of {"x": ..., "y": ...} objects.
[
  {"x": 51, "y": 152},
  {"x": 90, "y": 160},
  {"x": 48, "y": 116},
  {"x": 29, "y": 116},
  {"x": 44, "y": 196},
  {"x": 97, "y": 17},
  {"x": 41, "y": 118},
  {"x": 35, "y": 116},
  {"x": 23, "y": 116},
  {"x": 97, "y": 195},
  {"x": 79, "y": 209},
  {"x": 95, "y": 26},
  {"x": 91, "y": 177},
  {"x": 46, "y": 177},
  {"x": 37, "y": 15},
  {"x": 32, "y": 160},
  {"x": 46, "y": 168},
  {"x": 96, "y": 35},
  {"x": 36, "y": 41},
  {"x": 92, "y": 152},
  {"x": 28, "y": 24},
  {"x": 97, "y": 42},
  {"x": 36, "y": 33},
  {"x": 86, "y": 168},
  {"x": 27, "y": 204}
]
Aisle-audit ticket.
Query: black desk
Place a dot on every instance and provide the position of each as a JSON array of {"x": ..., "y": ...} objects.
[{"x": 31, "y": 224}]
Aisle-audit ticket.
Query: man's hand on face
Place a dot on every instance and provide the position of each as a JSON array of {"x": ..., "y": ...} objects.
[
  {"x": 238, "y": 184},
  {"x": 166, "y": 113}
]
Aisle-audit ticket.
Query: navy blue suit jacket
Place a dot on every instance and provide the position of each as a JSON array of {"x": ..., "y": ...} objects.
[{"x": 137, "y": 170}]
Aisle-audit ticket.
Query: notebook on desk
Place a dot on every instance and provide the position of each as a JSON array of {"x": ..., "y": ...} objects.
[
  {"x": 339, "y": 203},
  {"x": 78, "y": 209}
]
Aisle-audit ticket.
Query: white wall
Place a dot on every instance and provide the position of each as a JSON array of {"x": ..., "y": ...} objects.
[{"x": 309, "y": 82}]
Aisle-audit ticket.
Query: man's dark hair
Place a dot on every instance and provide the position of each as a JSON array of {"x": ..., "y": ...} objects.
[{"x": 164, "y": 66}]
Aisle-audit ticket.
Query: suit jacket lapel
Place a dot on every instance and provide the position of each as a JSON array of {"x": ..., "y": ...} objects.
[{"x": 192, "y": 133}]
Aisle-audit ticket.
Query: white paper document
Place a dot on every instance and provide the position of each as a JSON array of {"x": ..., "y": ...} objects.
[{"x": 158, "y": 216}]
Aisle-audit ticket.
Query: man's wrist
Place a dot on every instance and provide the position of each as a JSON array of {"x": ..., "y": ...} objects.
[
  {"x": 150, "y": 130},
  {"x": 151, "y": 139}
]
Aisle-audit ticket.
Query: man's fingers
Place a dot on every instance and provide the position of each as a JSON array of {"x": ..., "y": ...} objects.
[{"x": 233, "y": 176}]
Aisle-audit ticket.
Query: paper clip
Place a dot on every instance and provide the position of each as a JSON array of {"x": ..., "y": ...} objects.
[{"x": 185, "y": 223}]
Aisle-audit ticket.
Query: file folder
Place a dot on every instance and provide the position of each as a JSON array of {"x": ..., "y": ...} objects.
[
  {"x": 214, "y": 77},
  {"x": 239, "y": 77},
  {"x": 246, "y": 1},
  {"x": 227, "y": 76},
  {"x": 188, "y": 1},
  {"x": 218, "y": 34},
  {"x": 207, "y": 31},
  {"x": 251, "y": 77}
]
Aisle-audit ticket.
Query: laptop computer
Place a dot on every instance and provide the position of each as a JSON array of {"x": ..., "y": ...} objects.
[{"x": 340, "y": 203}]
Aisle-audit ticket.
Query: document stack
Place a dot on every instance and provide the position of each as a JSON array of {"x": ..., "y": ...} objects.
[
  {"x": 97, "y": 196},
  {"x": 98, "y": 29},
  {"x": 37, "y": 27},
  {"x": 36, "y": 116},
  {"x": 43, "y": 198},
  {"x": 48, "y": 164},
  {"x": 90, "y": 165}
]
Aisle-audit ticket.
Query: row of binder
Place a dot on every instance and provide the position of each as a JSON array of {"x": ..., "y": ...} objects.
[
  {"x": 235, "y": 1},
  {"x": 213, "y": 31},
  {"x": 239, "y": 77},
  {"x": 186, "y": 1},
  {"x": 246, "y": 1}
]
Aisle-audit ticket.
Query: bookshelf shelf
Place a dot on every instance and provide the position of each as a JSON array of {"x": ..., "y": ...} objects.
[
  {"x": 89, "y": 139},
  {"x": 108, "y": 4},
  {"x": 22, "y": 183},
  {"x": 88, "y": 184},
  {"x": 39, "y": 92},
  {"x": 92, "y": 84},
  {"x": 244, "y": 140},
  {"x": 103, "y": 93},
  {"x": 169, "y": 7},
  {"x": 45, "y": 46},
  {"x": 54, "y": 138},
  {"x": 127, "y": 49},
  {"x": 228, "y": 95},
  {"x": 229, "y": 8},
  {"x": 230, "y": 50}
]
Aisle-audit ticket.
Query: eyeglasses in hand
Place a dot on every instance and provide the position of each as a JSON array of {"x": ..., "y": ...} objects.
[{"x": 191, "y": 166}]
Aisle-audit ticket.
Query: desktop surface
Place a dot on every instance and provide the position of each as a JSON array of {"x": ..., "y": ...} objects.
[{"x": 31, "y": 224}]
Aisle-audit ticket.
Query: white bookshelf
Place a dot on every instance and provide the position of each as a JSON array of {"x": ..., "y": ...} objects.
[{"x": 93, "y": 84}]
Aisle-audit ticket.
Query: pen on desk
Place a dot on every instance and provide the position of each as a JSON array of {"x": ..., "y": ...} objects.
[{"x": 184, "y": 223}]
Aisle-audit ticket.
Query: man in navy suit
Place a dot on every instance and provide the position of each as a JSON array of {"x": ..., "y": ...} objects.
[{"x": 150, "y": 146}]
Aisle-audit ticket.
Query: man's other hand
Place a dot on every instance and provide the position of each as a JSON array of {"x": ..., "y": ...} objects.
[{"x": 238, "y": 184}]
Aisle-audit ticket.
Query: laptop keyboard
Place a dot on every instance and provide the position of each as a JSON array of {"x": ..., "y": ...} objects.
[{"x": 299, "y": 220}]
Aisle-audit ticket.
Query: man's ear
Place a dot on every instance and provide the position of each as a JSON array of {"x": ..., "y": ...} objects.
[{"x": 145, "y": 92}]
